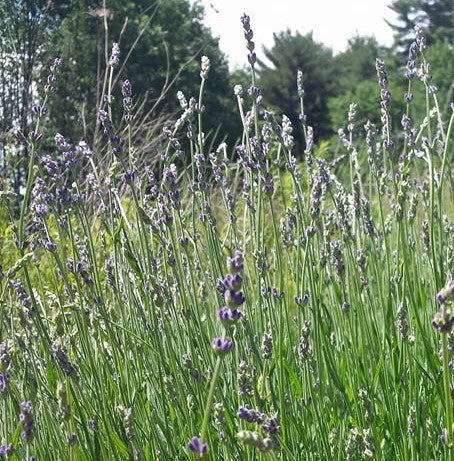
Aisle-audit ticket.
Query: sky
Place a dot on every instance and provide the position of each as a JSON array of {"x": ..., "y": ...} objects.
[{"x": 333, "y": 22}]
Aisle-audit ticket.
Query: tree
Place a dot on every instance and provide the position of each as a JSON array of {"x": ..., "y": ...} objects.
[
  {"x": 278, "y": 79},
  {"x": 164, "y": 40},
  {"x": 357, "y": 62},
  {"x": 24, "y": 28},
  {"x": 435, "y": 16},
  {"x": 357, "y": 83}
]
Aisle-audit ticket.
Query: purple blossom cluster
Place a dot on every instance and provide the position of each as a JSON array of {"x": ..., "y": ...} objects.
[
  {"x": 108, "y": 130},
  {"x": 248, "y": 35},
  {"x": 27, "y": 421},
  {"x": 268, "y": 424},
  {"x": 196, "y": 446},
  {"x": 6, "y": 450},
  {"x": 55, "y": 69},
  {"x": 443, "y": 320},
  {"x": 126, "y": 91}
]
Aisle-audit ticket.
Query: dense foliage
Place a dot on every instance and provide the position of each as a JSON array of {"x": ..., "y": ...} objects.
[{"x": 327, "y": 335}]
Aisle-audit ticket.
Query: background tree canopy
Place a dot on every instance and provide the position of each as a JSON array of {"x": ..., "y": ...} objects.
[
  {"x": 161, "y": 45},
  {"x": 278, "y": 78},
  {"x": 435, "y": 16}
]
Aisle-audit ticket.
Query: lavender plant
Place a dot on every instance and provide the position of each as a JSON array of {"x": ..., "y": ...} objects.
[{"x": 123, "y": 335}]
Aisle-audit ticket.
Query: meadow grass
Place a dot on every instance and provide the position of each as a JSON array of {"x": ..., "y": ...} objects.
[{"x": 265, "y": 304}]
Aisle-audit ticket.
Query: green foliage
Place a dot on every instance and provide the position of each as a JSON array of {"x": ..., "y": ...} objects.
[
  {"x": 357, "y": 62},
  {"x": 338, "y": 299},
  {"x": 367, "y": 97},
  {"x": 436, "y": 16},
  {"x": 277, "y": 73},
  {"x": 170, "y": 41}
]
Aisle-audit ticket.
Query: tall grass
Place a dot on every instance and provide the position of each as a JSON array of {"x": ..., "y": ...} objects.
[{"x": 125, "y": 335}]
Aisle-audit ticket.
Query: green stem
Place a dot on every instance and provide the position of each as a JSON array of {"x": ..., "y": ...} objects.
[
  {"x": 447, "y": 390},
  {"x": 206, "y": 415}
]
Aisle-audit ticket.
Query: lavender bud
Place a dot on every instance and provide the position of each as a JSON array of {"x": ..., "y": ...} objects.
[
  {"x": 221, "y": 346},
  {"x": 196, "y": 446},
  {"x": 204, "y": 68},
  {"x": 114, "y": 59}
]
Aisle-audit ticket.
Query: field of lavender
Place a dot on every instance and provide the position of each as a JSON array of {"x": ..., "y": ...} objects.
[{"x": 255, "y": 303}]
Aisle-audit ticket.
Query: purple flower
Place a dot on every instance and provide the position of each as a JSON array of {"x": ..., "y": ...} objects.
[
  {"x": 229, "y": 316},
  {"x": 5, "y": 357},
  {"x": 114, "y": 59},
  {"x": 233, "y": 298},
  {"x": 235, "y": 264},
  {"x": 195, "y": 445},
  {"x": 128, "y": 177},
  {"x": 51, "y": 78},
  {"x": 221, "y": 346},
  {"x": 27, "y": 421},
  {"x": 233, "y": 282},
  {"x": 50, "y": 246},
  {"x": 126, "y": 91},
  {"x": 60, "y": 355},
  {"x": 6, "y": 450},
  {"x": 271, "y": 426},
  {"x": 250, "y": 415},
  {"x": 446, "y": 294},
  {"x": 23, "y": 297},
  {"x": 248, "y": 35}
]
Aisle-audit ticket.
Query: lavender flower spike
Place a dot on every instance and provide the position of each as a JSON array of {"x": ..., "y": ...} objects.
[
  {"x": 204, "y": 68},
  {"x": 27, "y": 421},
  {"x": 115, "y": 55}
]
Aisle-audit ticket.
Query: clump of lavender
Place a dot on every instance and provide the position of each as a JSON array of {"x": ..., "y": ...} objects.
[
  {"x": 385, "y": 96},
  {"x": 244, "y": 379},
  {"x": 267, "y": 345},
  {"x": 255, "y": 440},
  {"x": 55, "y": 69},
  {"x": 231, "y": 290},
  {"x": 221, "y": 346},
  {"x": 126, "y": 91},
  {"x": 23, "y": 298},
  {"x": 60, "y": 355},
  {"x": 269, "y": 425},
  {"x": 250, "y": 415},
  {"x": 220, "y": 421},
  {"x": 359, "y": 445},
  {"x": 367, "y": 405},
  {"x": 126, "y": 415},
  {"x": 108, "y": 130}
]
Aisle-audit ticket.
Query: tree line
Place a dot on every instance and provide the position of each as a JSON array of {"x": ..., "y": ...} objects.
[{"x": 161, "y": 44}]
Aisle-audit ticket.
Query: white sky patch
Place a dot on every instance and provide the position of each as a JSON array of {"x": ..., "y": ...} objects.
[{"x": 333, "y": 22}]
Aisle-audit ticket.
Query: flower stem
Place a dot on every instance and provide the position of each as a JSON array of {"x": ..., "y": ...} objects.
[
  {"x": 447, "y": 390},
  {"x": 206, "y": 415}
]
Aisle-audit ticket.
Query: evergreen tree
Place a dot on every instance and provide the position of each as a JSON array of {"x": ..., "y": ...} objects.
[
  {"x": 435, "y": 16},
  {"x": 289, "y": 53}
]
